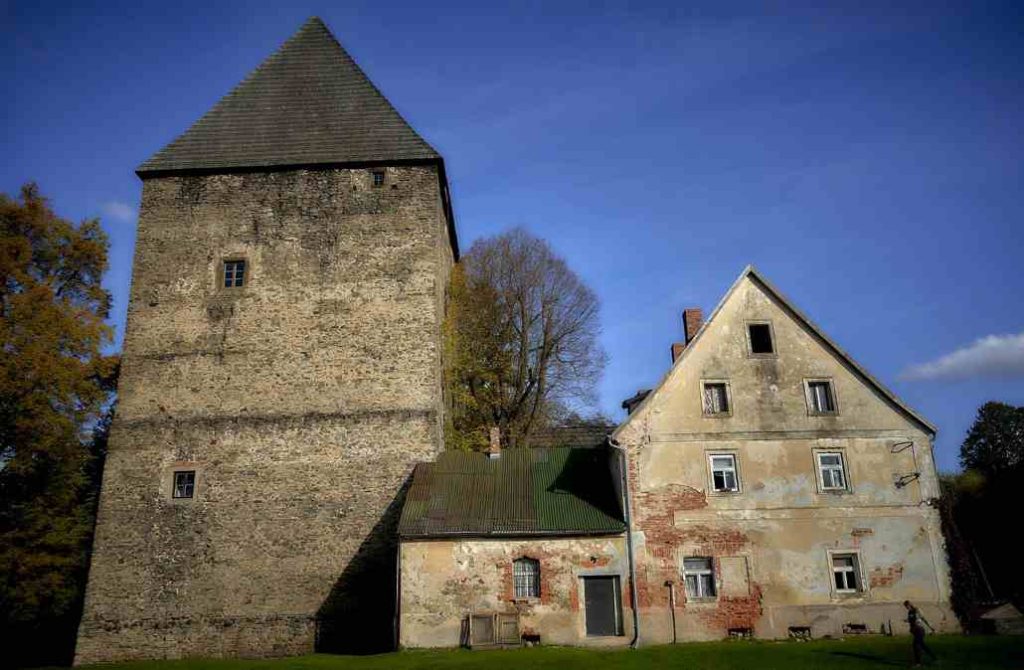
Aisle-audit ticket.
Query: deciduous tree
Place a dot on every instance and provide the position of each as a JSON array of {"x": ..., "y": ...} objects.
[
  {"x": 521, "y": 340},
  {"x": 55, "y": 383}
]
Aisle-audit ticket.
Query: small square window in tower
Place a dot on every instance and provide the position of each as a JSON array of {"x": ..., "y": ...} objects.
[
  {"x": 716, "y": 398},
  {"x": 184, "y": 484},
  {"x": 761, "y": 338},
  {"x": 378, "y": 178},
  {"x": 234, "y": 274}
]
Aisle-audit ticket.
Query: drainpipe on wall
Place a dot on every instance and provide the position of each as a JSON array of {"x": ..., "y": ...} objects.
[
  {"x": 672, "y": 606},
  {"x": 626, "y": 508}
]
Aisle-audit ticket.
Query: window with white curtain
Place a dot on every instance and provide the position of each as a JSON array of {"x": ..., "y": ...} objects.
[
  {"x": 526, "y": 576},
  {"x": 699, "y": 575}
]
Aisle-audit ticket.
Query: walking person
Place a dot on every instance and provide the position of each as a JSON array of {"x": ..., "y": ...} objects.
[{"x": 917, "y": 623}]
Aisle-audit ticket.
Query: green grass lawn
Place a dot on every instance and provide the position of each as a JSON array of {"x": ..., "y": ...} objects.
[{"x": 954, "y": 651}]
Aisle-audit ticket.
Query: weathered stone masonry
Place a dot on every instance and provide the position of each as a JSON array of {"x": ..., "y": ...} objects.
[{"x": 301, "y": 400}]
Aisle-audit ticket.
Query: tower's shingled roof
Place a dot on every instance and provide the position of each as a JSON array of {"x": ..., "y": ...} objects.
[{"x": 308, "y": 103}]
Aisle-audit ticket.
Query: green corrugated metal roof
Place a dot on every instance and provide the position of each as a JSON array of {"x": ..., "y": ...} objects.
[{"x": 561, "y": 491}]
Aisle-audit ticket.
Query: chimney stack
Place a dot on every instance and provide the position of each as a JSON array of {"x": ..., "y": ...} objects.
[
  {"x": 693, "y": 318},
  {"x": 677, "y": 350},
  {"x": 494, "y": 450}
]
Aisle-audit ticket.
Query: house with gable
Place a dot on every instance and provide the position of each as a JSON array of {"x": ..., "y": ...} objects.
[{"x": 777, "y": 488}]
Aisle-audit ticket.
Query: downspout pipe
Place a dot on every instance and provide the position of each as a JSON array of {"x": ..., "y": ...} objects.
[{"x": 627, "y": 512}]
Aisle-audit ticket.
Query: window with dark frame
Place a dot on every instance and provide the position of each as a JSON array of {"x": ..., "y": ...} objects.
[
  {"x": 234, "y": 274},
  {"x": 184, "y": 484},
  {"x": 699, "y": 575},
  {"x": 845, "y": 573},
  {"x": 822, "y": 399},
  {"x": 526, "y": 577},
  {"x": 716, "y": 398},
  {"x": 378, "y": 178},
  {"x": 761, "y": 338},
  {"x": 723, "y": 473}
]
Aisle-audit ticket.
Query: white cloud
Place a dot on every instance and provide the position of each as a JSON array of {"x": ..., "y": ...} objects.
[
  {"x": 119, "y": 210},
  {"x": 991, "y": 356}
]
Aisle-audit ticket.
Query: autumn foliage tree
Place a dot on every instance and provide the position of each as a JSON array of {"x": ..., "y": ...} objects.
[
  {"x": 521, "y": 341},
  {"x": 55, "y": 385}
]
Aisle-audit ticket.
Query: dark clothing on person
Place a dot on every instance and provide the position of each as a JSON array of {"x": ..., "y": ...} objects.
[{"x": 916, "y": 622}]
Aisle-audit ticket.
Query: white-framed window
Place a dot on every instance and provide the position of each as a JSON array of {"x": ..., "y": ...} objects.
[
  {"x": 378, "y": 178},
  {"x": 832, "y": 471},
  {"x": 699, "y": 575},
  {"x": 526, "y": 577},
  {"x": 846, "y": 573},
  {"x": 821, "y": 397},
  {"x": 724, "y": 475},
  {"x": 761, "y": 339},
  {"x": 184, "y": 484},
  {"x": 715, "y": 398}
]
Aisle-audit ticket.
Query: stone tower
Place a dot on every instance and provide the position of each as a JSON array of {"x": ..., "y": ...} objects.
[{"x": 281, "y": 372}]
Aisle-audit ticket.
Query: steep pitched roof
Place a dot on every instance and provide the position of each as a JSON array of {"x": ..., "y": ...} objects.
[
  {"x": 751, "y": 273},
  {"x": 308, "y": 103},
  {"x": 524, "y": 492}
]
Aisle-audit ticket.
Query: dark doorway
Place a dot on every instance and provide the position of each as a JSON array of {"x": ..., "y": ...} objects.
[{"x": 603, "y": 605}]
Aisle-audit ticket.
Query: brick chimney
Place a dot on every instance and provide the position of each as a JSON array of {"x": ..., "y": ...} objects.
[
  {"x": 693, "y": 318},
  {"x": 494, "y": 450},
  {"x": 677, "y": 350}
]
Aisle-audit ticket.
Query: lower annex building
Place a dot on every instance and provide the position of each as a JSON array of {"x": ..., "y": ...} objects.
[{"x": 768, "y": 487}]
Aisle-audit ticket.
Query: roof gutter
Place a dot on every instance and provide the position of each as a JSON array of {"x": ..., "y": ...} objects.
[{"x": 627, "y": 512}]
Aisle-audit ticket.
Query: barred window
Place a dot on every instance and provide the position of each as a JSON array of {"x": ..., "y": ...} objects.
[
  {"x": 234, "y": 274},
  {"x": 526, "y": 575},
  {"x": 184, "y": 484},
  {"x": 716, "y": 398},
  {"x": 699, "y": 573}
]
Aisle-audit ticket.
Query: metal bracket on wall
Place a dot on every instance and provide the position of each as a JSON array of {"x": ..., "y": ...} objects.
[
  {"x": 903, "y": 480},
  {"x": 901, "y": 446}
]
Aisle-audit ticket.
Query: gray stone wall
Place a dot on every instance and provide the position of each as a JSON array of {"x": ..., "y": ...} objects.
[{"x": 301, "y": 400}]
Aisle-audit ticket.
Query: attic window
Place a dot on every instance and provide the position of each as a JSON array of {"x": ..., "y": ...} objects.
[
  {"x": 761, "y": 339},
  {"x": 715, "y": 397},
  {"x": 234, "y": 274},
  {"x": 378, "y": 178},
  {"x": 821, "y": 398}
]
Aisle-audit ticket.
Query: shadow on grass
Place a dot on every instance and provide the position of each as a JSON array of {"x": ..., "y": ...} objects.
[{"x": 874, "y": 658}]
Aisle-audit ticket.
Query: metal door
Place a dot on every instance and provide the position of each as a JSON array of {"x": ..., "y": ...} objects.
[{"x": 603, "y": 606}]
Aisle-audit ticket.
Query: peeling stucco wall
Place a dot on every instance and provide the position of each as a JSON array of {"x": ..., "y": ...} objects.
[
  {"x": 301, "y": 400},
  {"x": 770, "y": 541},
  {"x": 444, "y": 581}
]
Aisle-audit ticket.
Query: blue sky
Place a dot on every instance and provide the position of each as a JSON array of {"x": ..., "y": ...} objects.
[{"x": 868, "y": 161}]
